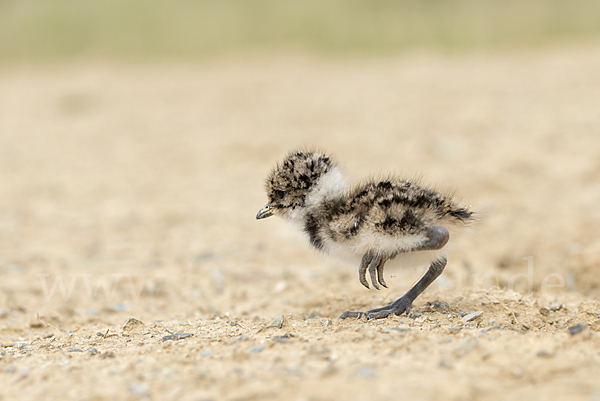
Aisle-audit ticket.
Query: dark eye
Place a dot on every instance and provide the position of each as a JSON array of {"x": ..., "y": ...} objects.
[{"x": 279, "y": 194}]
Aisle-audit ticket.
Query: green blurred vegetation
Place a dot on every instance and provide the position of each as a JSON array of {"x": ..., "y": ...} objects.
[{"x": 37, "y": 30}]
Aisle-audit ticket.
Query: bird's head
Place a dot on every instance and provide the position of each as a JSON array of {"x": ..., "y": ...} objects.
[{"x": 290, "y": 183}]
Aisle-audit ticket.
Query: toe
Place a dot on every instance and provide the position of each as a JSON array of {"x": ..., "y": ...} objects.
[
  {"x": 382, "y": 314},
  {"x": 373, "y": 271},
  {"x": 362, "y": 270},
  {"x": 380, "y": 274},
  {"x": 348, "y": 314}
]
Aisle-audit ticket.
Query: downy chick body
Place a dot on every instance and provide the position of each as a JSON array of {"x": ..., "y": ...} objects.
[{"x": 385, "y": 217}]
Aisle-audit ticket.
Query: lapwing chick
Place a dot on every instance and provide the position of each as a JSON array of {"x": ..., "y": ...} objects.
[{"x": 370, "y": 224}]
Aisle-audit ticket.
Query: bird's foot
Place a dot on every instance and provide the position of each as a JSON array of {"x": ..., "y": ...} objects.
[
  {"x": 398, "y": 307},
  {"x": 374, "y": 264}
]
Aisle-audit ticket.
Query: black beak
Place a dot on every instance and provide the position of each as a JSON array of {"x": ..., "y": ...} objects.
[{"x": 265, "y": 212}]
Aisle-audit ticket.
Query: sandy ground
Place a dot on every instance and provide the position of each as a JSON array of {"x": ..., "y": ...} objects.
[{"x": 131, "y": 191}]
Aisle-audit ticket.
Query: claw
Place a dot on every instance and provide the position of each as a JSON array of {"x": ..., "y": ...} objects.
[
  {"x": 362, "y": 270},
  {"x": 373, "y": 271},
  {"x": 380, "y": 273}
]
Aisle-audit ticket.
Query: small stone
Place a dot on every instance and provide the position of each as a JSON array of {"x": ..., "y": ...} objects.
[
  {"x": 75, "y": 350},
  {"x": 367, "y": 372},
  {"x": 100, "y": 334},
  {"x": 554, "y": 307},
  {"x": 107, "y": 354},
  {"x": 206, "y": 352},
  {"x": 132, "y": 323},
  {"x": 257, "y": 349},
  {"x": 280, "y": 286},
  {"x": 517, "y": 372},
  {"x": 286, "y": 338},
  {"x": 10, "y": 368},
  {"x": 445, "y": 364},
  {"x": 92, "y": 351},
  {"x": 277, "y": 322},
  {"x": 471, "y": 316},
  {"x": 441, "y": 304},
  {"x": 138, "y": 390},
  {"x": 177, "y": 336},
  {"x": 496, "y": 326},
  {"x": 120, "y": 308},
  {"x": 395, "y": 329},
  {"x": 577, "y": 329}
]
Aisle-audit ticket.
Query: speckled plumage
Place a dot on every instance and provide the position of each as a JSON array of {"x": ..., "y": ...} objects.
[{"x": 372, "y": 222}]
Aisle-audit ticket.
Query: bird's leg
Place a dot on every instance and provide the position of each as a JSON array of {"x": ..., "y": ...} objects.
[
  {"x": 404, "y": 303},
  {"x": 436, "y": 238}
]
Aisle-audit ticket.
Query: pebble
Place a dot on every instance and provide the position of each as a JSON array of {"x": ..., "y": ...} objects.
[
  {"x": 421, "y": 319},
  {"x": 496, "y": 326},
  {"x": 445, "y": 363},
  {"x": 393, "y": 329},
  {"x": 75, "y": 350},
  {"x": 277, "y": 322},
  {"x": 471, "y": 316},
  {"x": 138, "y": 390},
  {"x": 366, "y": 371},
  {"x": 100, "y": 334},
  {"x": 177, "y": 336},
  {"x": 286, "y": 338},
  {"x": 554, "y": 307},
  {"x": 10, "y": 368},
  {"x": 92, "y": 351},
  {"x": 441, "y": 304},
  {"x": 132, "y": 323},
  {"x": 280, "y": 286},
  {"x": 206, "y": 352},
  {"x": 577, "y": 329},
  {"x": 120, "y": 308},
  {"x": 257, "y": 349}
]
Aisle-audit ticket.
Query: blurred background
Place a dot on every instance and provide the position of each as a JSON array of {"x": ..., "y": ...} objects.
[
  {"x": 159, "y": 31},
  {"x": 135, "y": 137}
]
